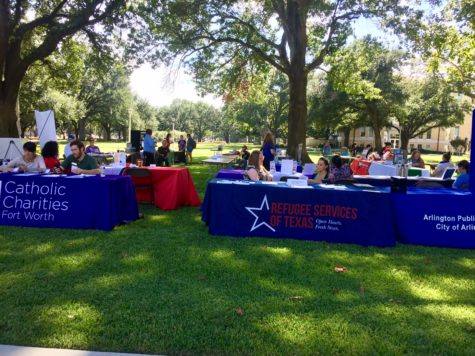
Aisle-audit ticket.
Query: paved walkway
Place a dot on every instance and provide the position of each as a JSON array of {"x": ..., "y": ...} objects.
[{"x": 10, "y": 350}]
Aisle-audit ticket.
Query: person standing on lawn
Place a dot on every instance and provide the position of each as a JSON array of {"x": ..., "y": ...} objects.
[
  {"x": 190, "y": 146},
  {"x": 149, "y": 144},
  {"x": 268, "y": 150}
]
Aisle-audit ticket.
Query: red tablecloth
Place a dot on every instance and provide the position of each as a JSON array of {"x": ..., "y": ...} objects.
[{"x": 172, "y": 188}]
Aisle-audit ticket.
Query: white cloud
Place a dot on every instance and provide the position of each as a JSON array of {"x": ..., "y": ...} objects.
[{"x": 160, "y": 87}]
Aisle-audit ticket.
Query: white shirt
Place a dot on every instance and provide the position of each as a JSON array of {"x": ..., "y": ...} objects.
[
  {"x": 439, "y": 171},
  {"x": 37, "y": 165},
  {"x": 67, "y": 150}
]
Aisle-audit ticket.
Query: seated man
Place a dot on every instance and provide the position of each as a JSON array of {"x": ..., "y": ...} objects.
[
  {"x": 92, "y": 148},
  {"x": 85, "y": 164},
  {"x": 462, "y": 181},
  {"x": 443, "y": 165},
  {"x": 162, "y": 152},
  {"x": 28, "y": 162}
]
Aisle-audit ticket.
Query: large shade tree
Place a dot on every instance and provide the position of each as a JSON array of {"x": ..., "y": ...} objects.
[
  {"x": 446, "y": 40},
  {"x": 30, "y": 31},
  {"x": 221, "y": 38}
]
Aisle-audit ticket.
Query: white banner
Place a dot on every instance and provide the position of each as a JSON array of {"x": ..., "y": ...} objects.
[
  {"x": 10, "y": 148},
  {"x": 46, "y": 126}
]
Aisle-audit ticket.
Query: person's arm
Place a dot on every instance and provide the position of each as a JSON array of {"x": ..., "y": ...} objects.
[
  {"x": 41, "y": 164},
  {"x": 93, "y": 169},
  {"x": 252, "y": 174},
  {"x": 88, "y": 171},
  {"x": 66, "y": 163},
  {"x": 458, "y": 183}
]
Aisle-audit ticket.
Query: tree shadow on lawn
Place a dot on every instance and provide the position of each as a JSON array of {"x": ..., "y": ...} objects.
[{"x": 177, "y": 290}]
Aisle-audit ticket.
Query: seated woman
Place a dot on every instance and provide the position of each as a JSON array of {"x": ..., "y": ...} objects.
[
  {"x": 462, "y": 181},
  {"x": 339, "y": 170},
  {"x": 92, "y": 148},
  {"x": 416, "y": 159},
  {"x": 255, "y": 169},
  {"x": 28, "y": 162},
  {"x": 50, "y": 154},
  {"x": 443, "y": 165},
  {"x": 322, "y": 173}
]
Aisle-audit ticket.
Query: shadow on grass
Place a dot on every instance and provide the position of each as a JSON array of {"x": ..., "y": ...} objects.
[
  {"x": 174, "y": 289},
  {"x": 163, "y": 285}
]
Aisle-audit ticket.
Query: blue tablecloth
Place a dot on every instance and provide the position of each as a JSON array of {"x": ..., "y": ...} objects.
[
  {"x": 232, "y": 174},
  {"x": 435, "y": 217},
  {"x": 386, "y": 182},
  {"x": 346, "y": 214},
  {"x": 66, "y": 202}
]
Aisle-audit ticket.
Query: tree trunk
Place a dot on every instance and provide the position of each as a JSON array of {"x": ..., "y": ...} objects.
[
  {"x": 82, "y": 129},
  {"x": 346, "y": 134},
  {"x": 297, "y": 132},
  {"x": 404, "y": 140},
  {"x": 377, "y": 138},
  {"x": 9, "y": 117}
]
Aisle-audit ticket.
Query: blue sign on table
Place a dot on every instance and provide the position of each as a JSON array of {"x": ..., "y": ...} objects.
[
  {"x": 66, "y": 202},
  {"x": 435, "y": 217},
  {"x": 334, "y": 214}
]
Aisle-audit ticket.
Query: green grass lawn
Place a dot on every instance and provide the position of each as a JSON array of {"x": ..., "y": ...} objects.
[{"x": 163, "y": 285}]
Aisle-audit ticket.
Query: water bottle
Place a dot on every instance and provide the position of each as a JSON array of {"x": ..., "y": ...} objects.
[{"x": 272, "y": 166}]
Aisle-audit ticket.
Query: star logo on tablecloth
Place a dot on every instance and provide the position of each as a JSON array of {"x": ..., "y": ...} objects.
[{"x": 256, "y": 223}]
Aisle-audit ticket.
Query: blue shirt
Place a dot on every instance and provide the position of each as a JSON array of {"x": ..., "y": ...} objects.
[
  {"x": 149, "y": 144},
  {"x": 266, "y": 151},
  {"x": 462, "y": 181}
]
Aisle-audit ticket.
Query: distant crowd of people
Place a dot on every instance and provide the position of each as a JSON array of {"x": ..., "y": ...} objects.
[
  {"x": 335, "y": 169},
  {"x": 160, "y": 156}
]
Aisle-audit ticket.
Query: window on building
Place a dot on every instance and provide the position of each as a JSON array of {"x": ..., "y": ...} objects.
[
  {"x": 419, "y": 147},
  {"x": 456, "y": 132},
  {"x": 370, "y": 132},
  {"x": 362, "y": 131},
  {"x": 421, "y": 136},
  {"x": 427, "y": 147},
  {"x": 429, "y": 135}
]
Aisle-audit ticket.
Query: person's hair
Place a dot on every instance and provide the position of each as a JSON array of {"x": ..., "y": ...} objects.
[
  {"x": 414, "y": 153},
  {"x": 91, "y": 139},
  {"x": 244, "y": 147},
  {"x": 337, "y": 162},
  {"x": 254, "y": 159},
  {"x": 50, "y": 149},
  {"x": 324, "y": 160},
  {"x": 30, "y": 147},
  {"x": 268, "y": 139},
  {"x": 148, "y": 131},
  {"x": 464, "y": 164},
  {"x": 368, "y": 145},
  {"x": 388, "y": 144},
  {"x": 168, "y": 136},
  {"x": 189, "y": 135},
  {"x": 447, "y": 156},
  {"x": 77, "y": 143}
]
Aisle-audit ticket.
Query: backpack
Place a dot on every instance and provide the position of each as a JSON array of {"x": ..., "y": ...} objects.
[{"x": 193, "y": 143}]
